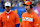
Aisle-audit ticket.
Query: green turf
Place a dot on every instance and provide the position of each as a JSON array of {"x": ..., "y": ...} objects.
[{"x": 20, "y": 19}]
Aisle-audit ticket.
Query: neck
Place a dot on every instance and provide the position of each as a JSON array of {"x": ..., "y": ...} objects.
[{"x": 8, "y": 11}]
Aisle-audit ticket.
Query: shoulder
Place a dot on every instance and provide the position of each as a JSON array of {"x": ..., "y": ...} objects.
[
  {"x": 2, "y": 14},
  {"x": 24, "y": 13},
  {"x": 34, "y": 13},
  {"x": 13, "y": 12}
]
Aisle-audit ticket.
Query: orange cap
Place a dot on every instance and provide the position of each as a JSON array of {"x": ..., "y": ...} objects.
[{"x": 28, "y": 3}]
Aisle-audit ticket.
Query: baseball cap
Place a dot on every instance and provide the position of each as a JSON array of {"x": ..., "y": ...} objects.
[
  {"x": 7, "y": 4},
  {"x": 27, "y": 3}
]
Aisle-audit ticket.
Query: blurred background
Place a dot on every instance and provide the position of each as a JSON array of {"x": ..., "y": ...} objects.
[{"x": 17, "y": 6}]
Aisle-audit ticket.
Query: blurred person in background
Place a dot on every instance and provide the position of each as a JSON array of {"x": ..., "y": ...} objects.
[
  {"x": 37, "y": 9},
  {"x": 3, "y": 5},
  {"x": 9, "y": 18},
  {"x": 0, "y": 4},
  {"x": 29, "y": 18}
]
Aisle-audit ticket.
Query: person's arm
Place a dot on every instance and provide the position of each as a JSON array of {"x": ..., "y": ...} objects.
[
  {"x": 17, "y": 21},
  {"x": 0, "y": 22},
  {"x": 36, "y": 21}
]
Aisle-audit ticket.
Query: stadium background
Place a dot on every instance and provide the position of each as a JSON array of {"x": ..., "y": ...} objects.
[{"x": 19, "y": 8}]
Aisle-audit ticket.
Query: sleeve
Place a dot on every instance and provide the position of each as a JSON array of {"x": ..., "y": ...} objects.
[
  {"x": 36, "y": 21},
  {"x": 17, "y": 21}
]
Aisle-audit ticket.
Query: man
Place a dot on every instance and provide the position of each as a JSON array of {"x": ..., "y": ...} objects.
[
  {"x": 9, "y": 18},
  {"x": 29, "y": 18}
]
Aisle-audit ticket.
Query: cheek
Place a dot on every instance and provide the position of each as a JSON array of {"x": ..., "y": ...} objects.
[
  {"x": 28, "y": 6},
  {"x": 5, "y": 8},
  {"x": 9, "y": 8}
]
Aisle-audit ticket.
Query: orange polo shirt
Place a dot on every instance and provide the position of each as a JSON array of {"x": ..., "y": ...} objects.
[
  {"x": 10, "y": 20},
  {"x": 29, "y": 20},
  {"x": 0, "y": 22}
]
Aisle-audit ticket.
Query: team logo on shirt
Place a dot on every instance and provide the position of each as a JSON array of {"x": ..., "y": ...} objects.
[
  {"x": 8, "y": 17},
  {"x": 27, "y": 19}
]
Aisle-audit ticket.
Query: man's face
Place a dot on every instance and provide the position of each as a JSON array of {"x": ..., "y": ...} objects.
[
  {"x": 7, "y": 8},
  {"x": 38, "y": 4},
  {"x": 27, "y": 7}
]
